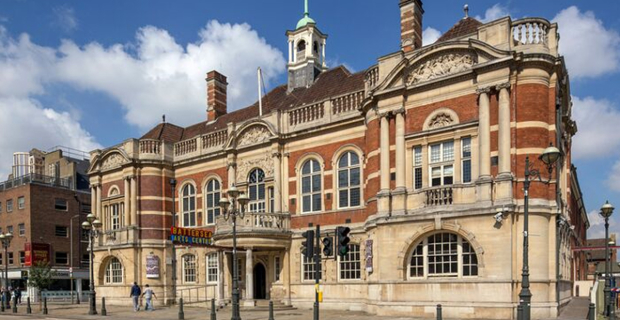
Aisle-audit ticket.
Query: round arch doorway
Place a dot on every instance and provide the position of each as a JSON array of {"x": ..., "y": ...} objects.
[{"x": 260, "y": 281}]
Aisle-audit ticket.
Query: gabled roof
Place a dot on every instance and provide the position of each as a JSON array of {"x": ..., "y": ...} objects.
[
  {"x": 331, "y": 83},
  {"x": 462, "y": 28}
]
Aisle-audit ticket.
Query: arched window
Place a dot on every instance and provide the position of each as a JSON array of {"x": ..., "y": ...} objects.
[
  {"x": 114, "y": 271},
  {"x": 443, "y": 255},
  {"x": 189, "y": 206},
  {"x": 212, "y": 201},
  {"x": 212, "y": 268},
  {"x": 301, "y": 46},
  {"x": 189, "y": 268},
  {"x": 311, "y": 186},
  {"x": 256, "y": 188},
  {"x": 349, "y": 180}
]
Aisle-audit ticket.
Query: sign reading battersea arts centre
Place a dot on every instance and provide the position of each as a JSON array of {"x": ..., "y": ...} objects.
[{"x": 186, "y": 236}]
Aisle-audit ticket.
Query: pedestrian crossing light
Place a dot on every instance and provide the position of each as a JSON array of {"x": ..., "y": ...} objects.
[
  {"x": 342, "y": 234},
  {"x": 307, "y": 246},
  {"x": 328, "y": 246}
]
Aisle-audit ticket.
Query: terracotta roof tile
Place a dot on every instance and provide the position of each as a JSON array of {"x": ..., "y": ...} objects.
[
  {"x": 464, "y": 27},
  {"x": 331, "y": 83}
]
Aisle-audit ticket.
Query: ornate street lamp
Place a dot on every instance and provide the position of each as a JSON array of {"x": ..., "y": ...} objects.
[
  {"x": 606, "y": 210},
  {"x": 92, "y": 224},
  {"x": 549, "y": 158},
  {"x": 6, "y": 242},
  {"x": 231, "y": 209}
]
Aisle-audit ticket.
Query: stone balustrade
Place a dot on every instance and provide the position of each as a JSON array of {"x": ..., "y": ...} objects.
[
  {"x": 306, "y": 114},
  {"x": 255, "y": 222},
  {"x": 430, "y": 197},
  {"x": 214, "y": 139},
  {"x": 530, "y": 31},
  {"x": 123, "y": 236},
  {"x": 149, "y": 146},
  {"x": 371, "y": 79},
  {"x": 347, "y": 103},
  {"x": 186, "y": 146}
]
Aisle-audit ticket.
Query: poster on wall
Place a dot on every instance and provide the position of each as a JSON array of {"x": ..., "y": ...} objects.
[
  {"x": 152, "y": 266},
  {"x": 36, "y": 252}
]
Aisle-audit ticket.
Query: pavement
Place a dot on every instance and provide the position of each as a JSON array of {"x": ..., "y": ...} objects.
[{"x": 577, "y": 309}]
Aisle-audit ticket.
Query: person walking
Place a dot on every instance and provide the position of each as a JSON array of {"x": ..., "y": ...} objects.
[
  {"x": 135, "y": 296},
  {"x": 149, "y": 294},
  {"x": 18, "y": 295}
]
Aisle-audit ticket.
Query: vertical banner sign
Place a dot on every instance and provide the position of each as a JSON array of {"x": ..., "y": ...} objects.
[
  {"x": 369, "y": 255},
  {"x": 36, "y": 252},
  {"x": 152, "y": 266}
]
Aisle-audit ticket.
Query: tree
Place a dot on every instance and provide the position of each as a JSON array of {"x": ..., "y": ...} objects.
[{"x": 40, "y": 277}]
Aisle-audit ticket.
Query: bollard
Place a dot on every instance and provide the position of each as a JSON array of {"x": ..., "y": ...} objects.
[
  {"x": 520, "y": 312},
  {"x": 14, "y": 305},
  {"x": 28, "y": 308},
  {"x": 104, "y": 312},
  {"x": 439, "y": 316},
  {"x": 271, "y": 310},
  {"x": 591, "y": 311},
  {"x": 213, "y": 315},
  {"x": 45, "y": 305},
  {"x": 181, "y": 313}
]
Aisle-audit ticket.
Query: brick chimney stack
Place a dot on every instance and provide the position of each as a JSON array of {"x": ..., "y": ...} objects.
[
  {"x": 216, "y": 95},
  {"x": 410, "y": 24}
]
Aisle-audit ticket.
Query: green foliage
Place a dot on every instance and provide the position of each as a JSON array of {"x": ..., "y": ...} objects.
[{"x": 40, "y": 275}]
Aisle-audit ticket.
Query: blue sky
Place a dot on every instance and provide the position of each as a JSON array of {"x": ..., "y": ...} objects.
[{"x": 92, "y": 73}]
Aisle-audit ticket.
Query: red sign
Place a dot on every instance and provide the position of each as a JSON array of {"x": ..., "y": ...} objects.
[{"x": 36, "y": 252}]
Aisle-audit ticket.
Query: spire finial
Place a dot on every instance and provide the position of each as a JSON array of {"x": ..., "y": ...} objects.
[
  {"x": 466, "y": 9},
  {"x": 163, "y": 118},
  {"x": 306, "y": 13}
]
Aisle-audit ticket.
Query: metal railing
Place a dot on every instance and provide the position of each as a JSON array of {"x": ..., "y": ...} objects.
[{"x": 38, "y": 179}]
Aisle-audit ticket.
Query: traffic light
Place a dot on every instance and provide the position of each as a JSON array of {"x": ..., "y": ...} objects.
[
  {"x": 328, "y": 246},
  {"x": 342, "y": 234},
  {"x": 307, "y": 246}
]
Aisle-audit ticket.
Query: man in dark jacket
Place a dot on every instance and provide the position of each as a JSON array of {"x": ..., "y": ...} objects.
[{"x": 135, "y": 296}]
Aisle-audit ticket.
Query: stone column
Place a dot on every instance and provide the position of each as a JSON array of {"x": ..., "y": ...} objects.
[
  {"x": 399, "y": 195},
  {"x": 93, "y": 200},
  {"x": 385, "y": 153},
  {"x": 127, "y": 206},
  {"x": 277, "y": 183},
  {"x": 484, "y": 141},
  {"x": 134, "y": 198},
  {"x": 504, "y": 177},
  {"x": 220, "y": 277},
  {"x": 99, "y": 207},
  {"x": 232, "y": 169},
  {"x": 290, "y": 52},
  {"x": 249, "y": 279}
]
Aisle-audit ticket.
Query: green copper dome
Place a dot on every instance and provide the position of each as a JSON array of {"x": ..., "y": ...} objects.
[{"x": 304, "y": 21}]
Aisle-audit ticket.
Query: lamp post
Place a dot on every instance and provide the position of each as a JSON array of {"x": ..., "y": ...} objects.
[
  {"x": 173, "y": 185},
  {"x": 548, "y": 157},
  {"x": 71, "y": 253},
  {"x": 92, "y": 224},
  {"x": 606, "y": 210},
  {"x": 6, "y": 242},
  {"x": 231, "y": 209}
]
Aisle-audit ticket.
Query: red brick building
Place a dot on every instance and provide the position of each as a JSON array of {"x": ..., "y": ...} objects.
[{"x": 422, "y": 155}]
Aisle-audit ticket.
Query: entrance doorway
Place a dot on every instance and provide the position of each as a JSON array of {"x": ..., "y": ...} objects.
[{"x": 260, "y": 281}]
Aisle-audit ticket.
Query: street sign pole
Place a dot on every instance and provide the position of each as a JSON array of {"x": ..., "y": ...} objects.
[{"x": 317, "y": 271}]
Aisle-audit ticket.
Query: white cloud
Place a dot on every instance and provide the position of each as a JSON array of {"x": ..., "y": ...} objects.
[
  {"x": 597, "y": 225},
  {"x": 493, "y": 13},
  {"x": 597, "y": 124},
  {"x": 589, "y": 48},
  {"x": 613, "y": 180},
  {"x": 64, "y": 17},
  {"x": 163, "y": 77},
  {"x": 430, "y": 35}
]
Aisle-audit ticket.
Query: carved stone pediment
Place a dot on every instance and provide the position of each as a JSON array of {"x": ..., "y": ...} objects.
[
  {"x": 264, "y": 163},
  {"x": 441, "y": 120},
  {"x": 253, "y": 136},
  {"x": 440, "y": 66},
  {"x": 112, "y": 161}
]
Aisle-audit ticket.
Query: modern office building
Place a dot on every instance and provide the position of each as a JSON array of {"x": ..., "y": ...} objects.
[{"x": 421, "y": 155}]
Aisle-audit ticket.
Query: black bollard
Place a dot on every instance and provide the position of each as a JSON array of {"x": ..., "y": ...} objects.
[
  {"x": 14, "y": 305},
  {"x": 104, "y": 312},
  {"x": 270, "y": 310},
  {"x": 520, "y": 312},
  {"x": 592, "y": 312},
  {"x": 28, "y": 308},
  {"x": 181, "y": 313},
  {"x": 213, "y": 315},
  {"x": 439, "y": 316},
  {"x": 45, "y": 305}
]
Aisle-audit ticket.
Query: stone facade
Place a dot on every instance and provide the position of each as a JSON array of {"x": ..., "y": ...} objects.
[{"x": 421, "y": 155}]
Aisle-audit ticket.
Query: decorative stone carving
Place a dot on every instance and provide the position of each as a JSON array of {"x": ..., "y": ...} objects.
[
  {"x": 440, "y": 66},
  {"x": 439, "y": 121},
  {"x": 112, "y": 161},
  {"x": 264, "y": 163},
  {"x": 254, "y": 135}
]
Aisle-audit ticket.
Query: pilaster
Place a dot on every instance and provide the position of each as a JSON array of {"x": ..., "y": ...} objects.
[
  {"x": 383, "y": 196},
  {"x": 483, "y": 183},
  {"x": 249, "y": 279},
  {"x": 399, "y": 195},
  {"x": 504, "y": 177}
]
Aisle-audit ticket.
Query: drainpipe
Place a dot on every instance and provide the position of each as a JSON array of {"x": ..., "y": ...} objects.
[{"x": 558, "y": 194}]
